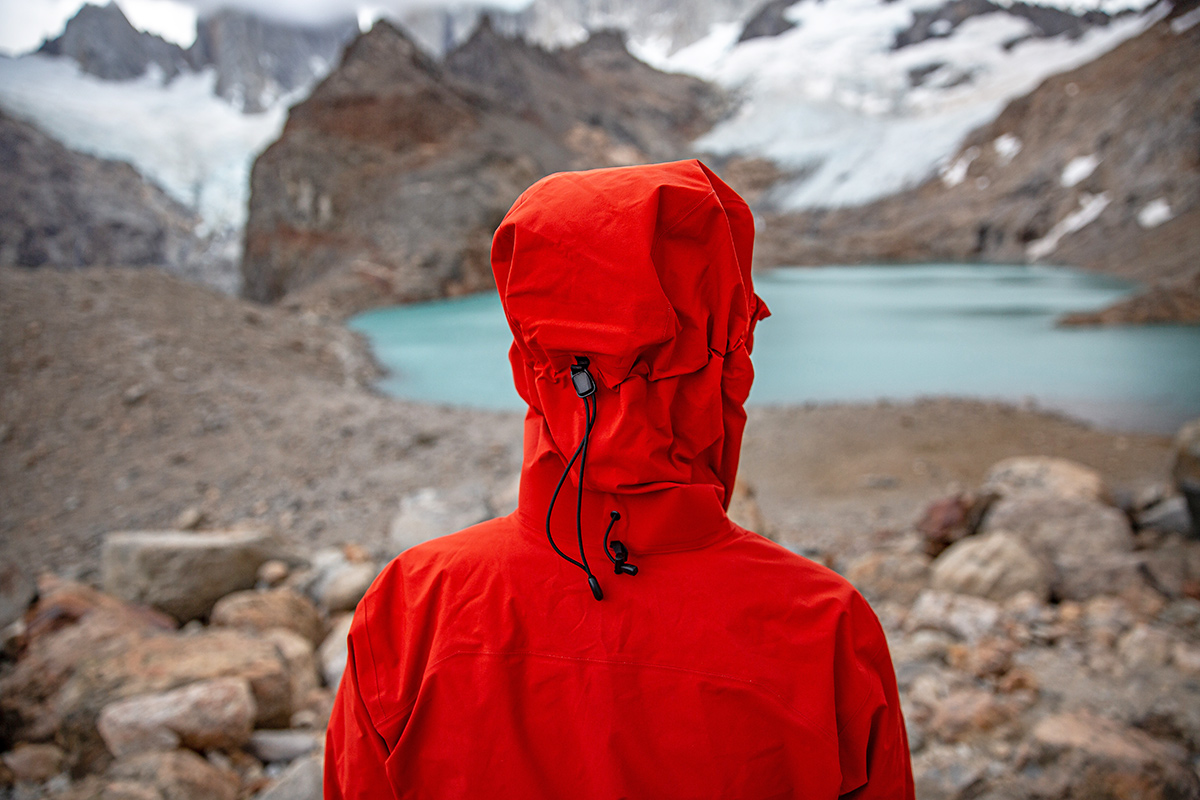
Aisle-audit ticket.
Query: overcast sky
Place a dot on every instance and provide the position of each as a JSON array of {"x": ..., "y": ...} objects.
[{"x": 24, "y": 24}]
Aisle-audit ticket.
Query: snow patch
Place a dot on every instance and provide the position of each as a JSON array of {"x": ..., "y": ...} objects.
[
  {"x": 1078, "y": 170},
  {"x": 831, "y": 102},
  {"x": 1007, "y": 147},
  {"x": 1185, "y": 22},
  {"x": 181, "y": 136},
  {"x": 1090, "y": 207},
  {"x": 956, "y": 173},
  {"x": 1155, "y": 213}
]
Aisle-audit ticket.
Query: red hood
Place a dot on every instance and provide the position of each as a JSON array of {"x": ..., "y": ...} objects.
[{"x": 646, "y": 272}]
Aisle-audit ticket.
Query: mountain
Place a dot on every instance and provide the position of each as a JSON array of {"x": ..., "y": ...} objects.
[
  {"x": 67, "y": 210},
  {"x": 663, "y": 26},
  {"x": 105, "y": 44},
  {"x": 387, "y": 183},
  {"x": 258, "y": 61},
  {"x": 1098, "y": 167}
]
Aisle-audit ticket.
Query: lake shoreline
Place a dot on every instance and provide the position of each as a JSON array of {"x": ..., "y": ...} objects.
[{"x": 135, "y": 401}]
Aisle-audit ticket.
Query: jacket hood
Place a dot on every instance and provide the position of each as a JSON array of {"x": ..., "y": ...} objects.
[{"x": 645, "y": 271}]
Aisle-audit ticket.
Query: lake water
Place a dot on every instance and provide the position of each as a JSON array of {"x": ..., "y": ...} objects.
[{"x": 866, "y": 333}]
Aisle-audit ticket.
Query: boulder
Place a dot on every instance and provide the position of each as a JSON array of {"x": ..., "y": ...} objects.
[
  {"x": 217, "y": 714},
  {"x": 949, "y": 772},
  {"x": 883, "y": 574},
  {"x": 996, "y": 566},
  {"x": 274, "y": 608},
  {"x": 429, "y": 513},
  {"x": 966, "y": 617},
  {"x": 300, "y": 781},
  {"x": 17, "y": 591},
  {"x": 288, "y": 745},
  {"x": 68, "y": 623},
  {"x": 1086, "y": 545},
  {"x": 173, "y": 775},
  {"x": 154, "y": 664},
  {"x": 334, "y": 651},
  {"x": 967, "y": 712},
  {"x": 35, "y": 763},
  {"x": 1186, "y": 470},
  {"x": 301, "y": 660},
  {"x": 1045, "y": 475},
  {"x": 1170, "y": 516},
  {"x": 1145, "y": 647},
  {"x": 1186, "y": 467},
  {"x": 1096, "y": 756},
  {"x": 182, "y": 573},
  {"x": 344, "y": 586}
]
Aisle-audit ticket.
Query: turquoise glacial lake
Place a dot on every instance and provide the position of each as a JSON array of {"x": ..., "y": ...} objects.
[{"x": 866, "y": 333}]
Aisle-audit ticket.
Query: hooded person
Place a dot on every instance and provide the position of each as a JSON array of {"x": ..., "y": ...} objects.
[{"x": 617, "y": 635}]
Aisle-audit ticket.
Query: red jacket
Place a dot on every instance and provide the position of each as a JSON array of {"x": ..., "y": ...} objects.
[{"x": 481, "y": 665}]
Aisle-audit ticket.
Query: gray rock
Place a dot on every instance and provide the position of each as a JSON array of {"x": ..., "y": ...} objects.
[
  {"x": 176, "y": 775},
  {"x": 883, "y": 574},
  {"x": 300, "y": 781},
  {"x": 1045, "y": 475},
  {"x": 1087, "y": 545},
  {"x": 1186, "y": 469},
  {"x": 183, "y": 574},
  {"x": 1171, "y": 516},
  {"x": 301, "y": 659},
  {"x": 948, "y": 772},
  {"x": 287, "y": 745},
  {"x": 17, "y": 591},
  {"x": 67, "y": 210},
  {"x": 334, "y": 651},
  {"x": 1145, "y": 647},
  {"x": 35, "y": 763},
  {"x": 995, "y": 565},
  {"x": 429, "y": 513},
  {"x": 216, "y": 714},
  {"x": 273, "y": 608},
  {"x": 345, "y": 585},
  {"x": 1105, "y": 753},
  {"x": 964, "y": 616}
]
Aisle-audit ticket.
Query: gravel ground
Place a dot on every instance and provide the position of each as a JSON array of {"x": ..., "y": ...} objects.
[{"x": 129, "y": 399}]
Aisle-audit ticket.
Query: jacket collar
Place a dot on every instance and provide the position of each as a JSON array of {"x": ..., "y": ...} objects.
[{"x": 674, "y": 519}]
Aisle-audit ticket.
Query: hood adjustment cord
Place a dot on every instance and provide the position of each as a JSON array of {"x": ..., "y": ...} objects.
[
  {"x": 619, "y": 554},
  {"x": 585, "y": 387}
]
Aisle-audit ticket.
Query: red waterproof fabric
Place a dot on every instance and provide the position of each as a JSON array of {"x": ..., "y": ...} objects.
[{"x": 480, "y": 664}]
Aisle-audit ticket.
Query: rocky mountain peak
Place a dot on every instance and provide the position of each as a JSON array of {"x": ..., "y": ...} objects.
[
  {"x": 105, "y": 44},
  {"x": 259, "y": 60},
  {"x": 508, "y": 68},
  {"x": 384, "y": 60}
]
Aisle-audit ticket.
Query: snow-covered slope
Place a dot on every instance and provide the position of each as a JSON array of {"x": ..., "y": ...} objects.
[
  {"x": 852, "y": 117},
  {"x": 180, "y": 135}
]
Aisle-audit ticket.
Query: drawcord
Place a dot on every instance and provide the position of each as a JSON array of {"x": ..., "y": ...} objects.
[{"x": 585, "y": 387}]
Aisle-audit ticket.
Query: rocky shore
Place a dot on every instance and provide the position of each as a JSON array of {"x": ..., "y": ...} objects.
[{"x": 196, "y": 491}]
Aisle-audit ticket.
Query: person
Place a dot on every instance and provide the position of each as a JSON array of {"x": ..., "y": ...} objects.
[{"x": 617, "y": 636}]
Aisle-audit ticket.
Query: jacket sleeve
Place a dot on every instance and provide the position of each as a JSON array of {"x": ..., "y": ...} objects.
[
  {"x": 355, "y": 752},
  {"x": 872, "y": 740}
]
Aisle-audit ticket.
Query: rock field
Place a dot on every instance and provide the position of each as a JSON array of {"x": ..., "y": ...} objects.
[{"x": 196, "y": 491}]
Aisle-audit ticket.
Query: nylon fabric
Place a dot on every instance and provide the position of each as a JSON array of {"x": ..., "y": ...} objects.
[{"x": 728, "y": 667}]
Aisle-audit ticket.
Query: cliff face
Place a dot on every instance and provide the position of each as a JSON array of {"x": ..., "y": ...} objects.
[
  {"x": 63, "y": 209},
  {"x": 1098, "y": 167},
  {"x": 387, "y": 183},
  {"x": 257, "y": 60}
]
